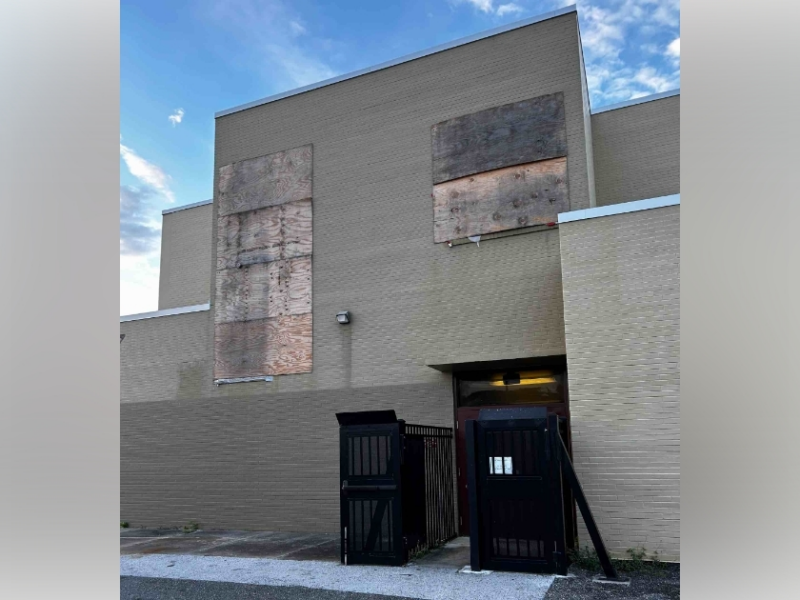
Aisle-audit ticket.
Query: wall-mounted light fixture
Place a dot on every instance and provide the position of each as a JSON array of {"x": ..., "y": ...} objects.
[
  {"x": 121, "y": 337},
  {"x": 343, "y": 318}
]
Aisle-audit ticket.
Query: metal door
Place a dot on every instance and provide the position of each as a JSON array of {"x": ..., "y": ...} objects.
[
  {"x": 371, "y": 511},
  {"x": 518, "y": 497}
]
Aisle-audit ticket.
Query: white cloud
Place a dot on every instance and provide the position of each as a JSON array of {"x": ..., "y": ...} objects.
[
  {"x": 139, "y": 224},
  {"x": 674, "y": 48},
  {"x": 267, "y": 32},
  {"x": 146, "y": 172},
  {"x": 507, "y": 9},
  {"x": 297, "y": 28},
  {"x": 138, "y": 284},
  {"x": 176, "y": 117},
  {"x": 140, "y": 233},
  {"x": 486, "y": 6},
  {"x": 655, "y": 81},
  {"x": 616, "y": 34}
]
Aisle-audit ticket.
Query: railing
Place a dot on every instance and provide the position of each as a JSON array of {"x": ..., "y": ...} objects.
[{"x": 439, "y": 481}]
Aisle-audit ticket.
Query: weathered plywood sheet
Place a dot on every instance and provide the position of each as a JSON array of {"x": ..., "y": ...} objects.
[
  {"x": 499, "y": 137},
  {"x": 265, "y": 181},
  {"x": 260, "y": 291},
  {"x": 276, "y": 346},
  {"x": 500, "y": 200},
  {"x": 289, "y": 287},
  {"x": 262, "y": 305},
  {"x": 264, "y": 235},
  {"x": 242, "y": 294}
]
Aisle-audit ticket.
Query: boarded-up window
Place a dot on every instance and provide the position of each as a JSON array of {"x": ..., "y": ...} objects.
[
  {"x": 501, "y": 168},
  {"x": 262, "y": 309}
]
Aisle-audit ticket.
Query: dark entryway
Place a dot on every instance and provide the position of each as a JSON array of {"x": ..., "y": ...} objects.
[{"x": 532, "y": 382}]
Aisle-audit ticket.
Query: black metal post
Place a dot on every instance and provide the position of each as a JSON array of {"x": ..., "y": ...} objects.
[
  {"x": 557, "y": 498},
  {"x": 583, "y": 505},
  {"x": 472, "y": 489}
]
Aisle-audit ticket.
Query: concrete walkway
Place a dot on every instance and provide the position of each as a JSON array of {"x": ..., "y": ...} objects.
[{"x": 312, "y": 561}]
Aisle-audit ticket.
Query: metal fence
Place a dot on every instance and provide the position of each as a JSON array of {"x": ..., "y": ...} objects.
[{"x": 430, "y": 504}]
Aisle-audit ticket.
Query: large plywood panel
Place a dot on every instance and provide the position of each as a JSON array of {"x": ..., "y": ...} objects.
[
  {"x": 265, "y": 181},
  {"x": 259, "y": 291},
  {"x": 500, "y": 200},
  {"x": 275, "y": 346},
  {"x": 264, "y": 235},
  {"x": 503, "y": 136}
]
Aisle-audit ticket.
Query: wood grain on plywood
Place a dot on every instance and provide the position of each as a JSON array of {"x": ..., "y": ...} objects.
[
  {"x": 259, "y": 291},
  {"x": 289, "y": 287},
  {"x": 275, "y": 346},
  {"x": 503, "y": 136},
  {"x": 510, "y": 198},
  {"x": 265, "y": 181},
  {"x": 264, "y": 235}
]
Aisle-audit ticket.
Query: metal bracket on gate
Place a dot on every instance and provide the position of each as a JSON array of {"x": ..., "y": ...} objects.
[{"x": 367, "y": 488}]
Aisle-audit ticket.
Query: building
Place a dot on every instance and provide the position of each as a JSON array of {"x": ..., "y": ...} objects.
[{"x": 382, "y": 181}]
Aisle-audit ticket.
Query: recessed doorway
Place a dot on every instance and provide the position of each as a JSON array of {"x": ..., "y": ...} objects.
[{"x": 506, "y": 384}]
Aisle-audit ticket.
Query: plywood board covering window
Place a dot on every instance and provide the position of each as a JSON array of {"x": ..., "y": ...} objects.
[
  {"x": 262, "y": 308},
  {"x": 509, "y": 198},
  {"x": 502, "y": 136},
  {"x": 501, "y": 168}
]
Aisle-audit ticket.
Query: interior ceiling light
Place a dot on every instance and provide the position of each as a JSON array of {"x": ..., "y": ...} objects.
[{"x": 524, "y": 378}]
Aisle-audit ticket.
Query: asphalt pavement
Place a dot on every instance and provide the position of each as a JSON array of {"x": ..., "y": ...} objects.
[{"x": 151, "y": 588}]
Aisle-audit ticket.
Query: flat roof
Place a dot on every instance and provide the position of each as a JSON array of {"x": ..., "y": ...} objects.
[
  {"x": 619, "y": 209},
  {"x": 404, "y": 59},
  {"x": 167, "y": 312},
  {"x": 635, "y": 101},
  {"x": 185, "y": 207}
]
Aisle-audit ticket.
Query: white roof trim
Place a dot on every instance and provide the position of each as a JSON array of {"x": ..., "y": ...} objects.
[
  {"x": 186, "y": 206},
  {"x": 166, "y": 313},
  {"x": 636, "y": 101},
  {"x": 618, "y": 209},
  {"x": 403, "y": 59}
]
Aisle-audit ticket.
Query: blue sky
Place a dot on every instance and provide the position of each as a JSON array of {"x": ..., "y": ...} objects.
[{"x": 183, "y": 61}]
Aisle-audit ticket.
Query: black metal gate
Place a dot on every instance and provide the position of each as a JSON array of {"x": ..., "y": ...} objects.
[
  {"x": 519, "y": 511},
  {"x": 396, "y": 488},
  {"x": 519, "y": 474}
]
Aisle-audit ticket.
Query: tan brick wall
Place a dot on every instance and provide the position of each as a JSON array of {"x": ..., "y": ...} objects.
[
  {"x": 263, "y": 455},
  {"x": 621, "y": 278},
  {"x": 185, "y": 257},
  {"x": 637, "y": 151}
]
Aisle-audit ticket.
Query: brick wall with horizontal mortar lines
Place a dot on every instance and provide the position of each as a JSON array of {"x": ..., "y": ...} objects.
[
  {"x": 621, "y": 277},
  {"x": 264, "y": 455},
  {"x": 185, "y": 257},
  {"x": 637, "y": 151}
]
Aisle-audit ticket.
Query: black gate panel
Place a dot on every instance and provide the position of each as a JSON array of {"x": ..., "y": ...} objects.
[
  {"x": 396, "y": 487},
  {"x": 371, "y": 487},
  {"x": 515, "y": 496}
]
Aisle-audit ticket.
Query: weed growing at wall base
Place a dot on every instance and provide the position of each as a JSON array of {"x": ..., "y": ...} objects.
[
  {"x": 639, "y": 562},
  {"x": 190, "y": 527}
]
